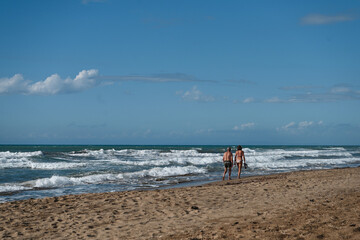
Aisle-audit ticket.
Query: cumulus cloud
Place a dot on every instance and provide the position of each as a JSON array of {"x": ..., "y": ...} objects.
[
  {"x": 319, "y": 19},
  {"x": 244, "y": 126},
  {"x": 86, "y": 79},
  {"x": 196, "y": 95},
  {"x": 15, "y": 84},
  {"x": 53, "y": 84}
]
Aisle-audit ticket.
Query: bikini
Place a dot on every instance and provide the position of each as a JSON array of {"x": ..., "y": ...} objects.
[{"x": 237, "y": 159}]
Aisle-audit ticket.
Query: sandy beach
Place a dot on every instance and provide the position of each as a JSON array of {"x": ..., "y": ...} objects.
[{"x": 322, "y": 204}]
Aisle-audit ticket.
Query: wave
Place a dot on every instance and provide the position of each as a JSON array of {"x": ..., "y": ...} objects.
[
  {"x": 135, "y": 152},
  {"x": 280, "y": 154},
  {"x": 149, "y": 157},
  {"x": 9, "y": 154},
  {"x": 126, "y": 169},
  {"x": 169, "y": 171},
  {"x": 193, "y": 156},
  {"x": 112, "y": 152},
  {"x": 266, "y": 164},
  {"x": 25, "y": 163},
  {"x": 158, "y": 158},
  {"x": 13, "y": 188},
  {"x": 64, "y": 181}
]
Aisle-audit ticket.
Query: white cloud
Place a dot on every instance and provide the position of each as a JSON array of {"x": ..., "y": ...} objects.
[
  {"x": 248, "y": 100},
  {"x": 290, "y": 125},
  {"x": 15, "y": 84},
  {"x": 196, "y": 95},
  {"x": 332, "y": 94},
  {"x": 50, "y": 86},
  {"x": 273, "y": 100},
  {"x": 340, "y": 90},
  {"x": 301, "y": 126},
  {"x": 319, "y": 19},
  {"x": 305, "y": 124},
  {"x": 247, "y": 125},
  {"x": 244, "y": 126}
]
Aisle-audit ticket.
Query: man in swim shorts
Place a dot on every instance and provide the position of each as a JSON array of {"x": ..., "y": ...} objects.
[{"x": 228, "y": 162}]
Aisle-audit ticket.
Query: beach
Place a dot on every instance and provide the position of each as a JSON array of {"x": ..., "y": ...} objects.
[{"x": 316, "y": 204}]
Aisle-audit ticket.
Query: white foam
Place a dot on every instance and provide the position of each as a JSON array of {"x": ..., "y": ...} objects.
[
  {"x": 63, "y": 181},
  {"x": 12, "y": 188},
  {"x": 146, "y": 152},
  {"x": 55, "y": 165},
  {"x": 26, "y": 163},
  {"x": 191, "y": 157},
  {"x": 9, "y": 154},
  {"x": 279, "y": 154},
  {"x": 187, "y": 153},
  {"x": 280, "y": 159},
  {"x": 168, "y": 171},
  {"x": 152, "y": 157},
  {"x": 88, "y": 153},
  {"x": 270, "y": 164},
  {"x": 112, "y": 152},
  {"x": 14, "y": 163},
  {"x": 160, "y": 162}
]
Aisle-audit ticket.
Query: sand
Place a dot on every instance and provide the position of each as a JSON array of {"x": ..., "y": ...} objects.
[{"x": 321, "y": 204}]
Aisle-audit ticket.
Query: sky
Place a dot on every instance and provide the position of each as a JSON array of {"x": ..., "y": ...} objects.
[{"x": 180, "y": 72}]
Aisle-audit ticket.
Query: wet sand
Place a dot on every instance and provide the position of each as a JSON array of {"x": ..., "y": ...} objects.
[{"x": 322, "y": 204}]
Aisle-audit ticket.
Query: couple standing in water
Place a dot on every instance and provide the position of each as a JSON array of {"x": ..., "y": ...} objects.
[{"x": 228, "y": 160}]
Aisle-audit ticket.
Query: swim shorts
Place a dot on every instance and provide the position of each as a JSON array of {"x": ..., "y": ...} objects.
[{"x": 227, "y": 164}]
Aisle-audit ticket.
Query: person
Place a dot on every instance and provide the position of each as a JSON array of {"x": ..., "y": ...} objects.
[
  {"x": 228, "y": 162},
  {"x": 239, "y": 157}
]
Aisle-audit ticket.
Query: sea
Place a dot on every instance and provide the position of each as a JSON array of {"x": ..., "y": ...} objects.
[{"x": 38, "y": 171}]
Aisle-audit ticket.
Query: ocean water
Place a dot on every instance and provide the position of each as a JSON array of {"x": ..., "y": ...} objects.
[{"x": 43, "y": 171}]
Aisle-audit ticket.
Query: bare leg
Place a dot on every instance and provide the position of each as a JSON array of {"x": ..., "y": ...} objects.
[
  {"x": 224, "y": 173},
  {"x": 239, "y": 170},
  {"x": 229, "y": 173}
]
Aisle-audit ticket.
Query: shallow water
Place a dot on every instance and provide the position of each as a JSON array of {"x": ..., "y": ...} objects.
[{"x": 42, "y": 171}]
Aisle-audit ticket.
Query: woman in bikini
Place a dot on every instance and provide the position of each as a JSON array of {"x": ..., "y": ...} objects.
[{"x": 239, "y": 157}]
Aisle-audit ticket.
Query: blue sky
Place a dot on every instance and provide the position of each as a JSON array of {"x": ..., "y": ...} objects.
[{"x": 179, "y": 72}]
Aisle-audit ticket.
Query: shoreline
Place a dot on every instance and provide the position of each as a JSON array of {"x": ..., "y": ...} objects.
[
  {"x": 301, "y": 205},
  {"x": 184, "y": 184},
  {"x": 63, "y": 170}
]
